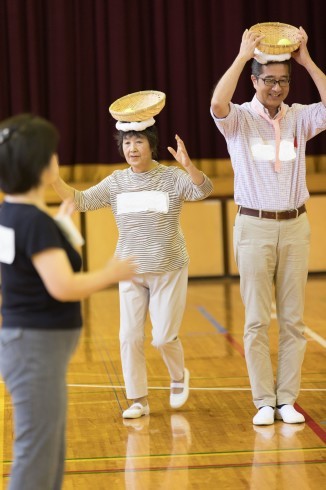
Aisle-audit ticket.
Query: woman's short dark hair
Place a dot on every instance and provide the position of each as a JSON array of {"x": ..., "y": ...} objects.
[
  {"x": 150, "y": 133},
  {"x": 27, "y": 143},
  {"x": 257, "y": 68}
]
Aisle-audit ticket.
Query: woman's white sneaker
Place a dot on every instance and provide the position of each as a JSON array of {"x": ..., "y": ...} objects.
[
  {"x": 179, "y": 399},
  {"x": 135, "y": 411}
]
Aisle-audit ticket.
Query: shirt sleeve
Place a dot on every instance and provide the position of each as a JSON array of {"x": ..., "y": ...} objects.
[
  {"x": 190, "y": 191},
  {"x": 96, "y": 197},
  {"x": 42, "y": 233}
]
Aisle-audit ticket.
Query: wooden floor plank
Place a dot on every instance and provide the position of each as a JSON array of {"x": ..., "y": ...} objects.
[{"x": 209, "y": 443}]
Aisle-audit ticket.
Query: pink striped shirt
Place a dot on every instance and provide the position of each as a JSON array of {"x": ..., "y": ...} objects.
[{"x": 251, "y": 146}]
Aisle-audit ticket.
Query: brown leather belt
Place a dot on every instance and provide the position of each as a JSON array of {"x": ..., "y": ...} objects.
[{"x": 290, "y": 214}]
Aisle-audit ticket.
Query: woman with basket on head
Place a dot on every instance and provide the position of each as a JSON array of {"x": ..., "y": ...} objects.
[
  {"x": 41, "y": 291},
  {"x": 267, "y": 143},
  {"x": 146, "y": 200}
]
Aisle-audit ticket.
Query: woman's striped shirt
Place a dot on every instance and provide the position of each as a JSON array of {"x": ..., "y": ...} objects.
[{"x": 147, "y": 208}]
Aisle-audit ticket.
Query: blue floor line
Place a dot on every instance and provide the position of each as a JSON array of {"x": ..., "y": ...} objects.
[{"x": 212, "y": 320}]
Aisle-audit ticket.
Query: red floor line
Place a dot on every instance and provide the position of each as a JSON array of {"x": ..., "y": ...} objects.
[
  {"x": 234, "y": 343},
  {"x": 319, "y": 431},
  {"x": 191, "y": 467},
  {"x": 199, "y": 467}
]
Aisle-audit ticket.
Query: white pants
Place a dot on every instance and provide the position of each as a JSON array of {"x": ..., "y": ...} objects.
[
  {"x": 164, "y": 296},
  {"x": 270, "y": 252}
]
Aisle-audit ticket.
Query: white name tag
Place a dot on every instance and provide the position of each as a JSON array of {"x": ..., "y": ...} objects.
[
  {"x": 7, "y": 245},
  {"x": 287, "y": 151},
  {"x": 266, "y": 151},
  {"x": 135, "y": 202},
  {"x": 263, "y": 152}
]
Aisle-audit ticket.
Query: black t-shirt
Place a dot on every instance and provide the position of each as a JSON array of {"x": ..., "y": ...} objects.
[{"x": 25, "y": 300}]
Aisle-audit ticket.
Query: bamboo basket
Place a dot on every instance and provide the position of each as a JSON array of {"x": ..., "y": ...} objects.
[
  {"x": 274, "y": 32},
  {"x": 138, "y": 106}
]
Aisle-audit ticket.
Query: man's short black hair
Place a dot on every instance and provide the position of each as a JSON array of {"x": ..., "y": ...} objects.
[{"x": 257, "y": 68}]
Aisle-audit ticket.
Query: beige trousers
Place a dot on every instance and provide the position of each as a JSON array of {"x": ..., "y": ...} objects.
[
  {"x": 164, "y": 296},
  {"x": 271, "y": 253}
]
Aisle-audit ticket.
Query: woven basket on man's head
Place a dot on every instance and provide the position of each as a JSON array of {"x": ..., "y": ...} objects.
[
  {"x": 279, "y": 38},
  {"x": 138, "y": 106}
]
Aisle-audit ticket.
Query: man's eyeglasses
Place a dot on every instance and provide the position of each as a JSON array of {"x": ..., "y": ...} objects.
[{"x": 271, "y": 82}]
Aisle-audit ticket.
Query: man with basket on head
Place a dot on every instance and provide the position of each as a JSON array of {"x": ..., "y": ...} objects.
[
  {"x": 267, "y": 143},
  {"x": 146, "y": 200}
]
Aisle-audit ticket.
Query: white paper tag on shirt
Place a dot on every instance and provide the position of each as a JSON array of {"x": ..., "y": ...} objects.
[
  {"x": 134, "y": 202},
  {"x": 287, "y": 151},
  {"x": 266, "y": 150},
  {"x": 7, "y": 245}
]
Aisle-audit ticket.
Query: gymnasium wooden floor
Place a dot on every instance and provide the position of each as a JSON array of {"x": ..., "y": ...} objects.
[{"x": 208, "y": 444}]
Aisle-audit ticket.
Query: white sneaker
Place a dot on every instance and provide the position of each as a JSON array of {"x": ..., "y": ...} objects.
[
  {"x": 264, "y": 416},
  {"x": 289, "y": 414},
  {"x": 135, "y": 411}
]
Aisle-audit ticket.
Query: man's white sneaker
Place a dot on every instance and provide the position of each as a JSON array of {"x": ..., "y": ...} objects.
[
  {"x": 264, "y": 416},
  {"x": 289, "y": 414}
]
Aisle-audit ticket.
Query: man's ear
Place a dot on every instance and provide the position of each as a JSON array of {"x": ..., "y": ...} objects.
[{"x": 254, "y": 80}]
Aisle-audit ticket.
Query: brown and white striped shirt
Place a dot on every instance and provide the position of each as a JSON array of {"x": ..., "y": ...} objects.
[{"x": 147, "y": 207}]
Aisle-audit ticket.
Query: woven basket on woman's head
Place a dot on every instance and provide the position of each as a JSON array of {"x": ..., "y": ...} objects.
[
  {"x": 279, "y": 38},
  {"x": 138, "y": 106}
]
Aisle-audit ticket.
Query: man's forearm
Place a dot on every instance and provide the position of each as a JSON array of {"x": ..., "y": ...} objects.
[
  {"x": 226, "y": 86},
  {"x": 319, "y": 79}
]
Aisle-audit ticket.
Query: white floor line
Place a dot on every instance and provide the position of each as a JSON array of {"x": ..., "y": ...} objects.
[
  {"x": 317, "y": 338},
  {"x": 120, "y": 387},
  {"x": 167, "y": 388}
]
